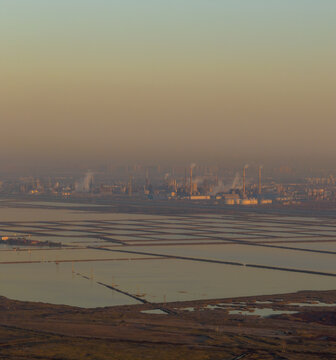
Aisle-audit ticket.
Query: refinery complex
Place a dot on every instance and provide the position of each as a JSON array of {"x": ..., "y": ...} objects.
[{"x": 244, "y": 186}]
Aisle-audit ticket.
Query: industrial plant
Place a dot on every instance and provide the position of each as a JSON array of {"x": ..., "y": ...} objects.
[{"x": 251, "y": 185}]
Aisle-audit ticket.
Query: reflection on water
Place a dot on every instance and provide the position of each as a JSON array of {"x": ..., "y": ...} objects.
[
  {"x": 56, "y": 278},
  {"x": 56, "y": 214},
  {"x": 262, "y": 312},
  {"x": 179, "y": 280},
  {"x": 56, "y": 284},
  {"x": 154, "y": 311},
  {"x": 61, "y": 255},
  {"x": 314, "y": 304},
  {"x": 255, "y": 255}
]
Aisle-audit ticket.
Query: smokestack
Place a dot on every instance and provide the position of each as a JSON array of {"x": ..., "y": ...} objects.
[
  {"x": 191, "y": 173},
  {"x": 191, "y": 188},
  {"x": 185, "y": 179},
  {"x": 130, "y": 186},
  {"x": 259, "y": 185},
  {"x": 147, "y": 179},
  {"x": 244, "y": 180}
]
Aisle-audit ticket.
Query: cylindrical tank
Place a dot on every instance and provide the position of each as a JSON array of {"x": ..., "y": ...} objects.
[
  {"x": 230, "y": 201},
  {"x": 248, "y": 201},
  {"x": 265, "y": 201}
]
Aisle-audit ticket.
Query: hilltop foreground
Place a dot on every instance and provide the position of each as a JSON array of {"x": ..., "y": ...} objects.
[{"x": 302, "y": 327}]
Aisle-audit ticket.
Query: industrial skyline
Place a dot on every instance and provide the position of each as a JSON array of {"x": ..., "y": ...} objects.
[{"x": 196, "y": 183}]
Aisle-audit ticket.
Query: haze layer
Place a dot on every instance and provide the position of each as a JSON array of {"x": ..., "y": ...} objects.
[{"x": 174, "y": 79}]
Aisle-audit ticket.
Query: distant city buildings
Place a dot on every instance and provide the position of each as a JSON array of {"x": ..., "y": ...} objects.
[{"x": 195, "y": 183}]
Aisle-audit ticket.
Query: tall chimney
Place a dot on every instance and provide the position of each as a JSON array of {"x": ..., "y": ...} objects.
[
  {"x": 185, "y": 179},
  {"x": 147, "y": 179},
  {"x": 259, "y": 185},
  {"x": 130, "y": 186},
  {"x": 191, "y": 187},
  {"x": 244, "y": 176}
]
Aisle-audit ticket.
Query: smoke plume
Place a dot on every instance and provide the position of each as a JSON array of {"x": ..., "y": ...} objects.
[{"x": 85, "y": 184}]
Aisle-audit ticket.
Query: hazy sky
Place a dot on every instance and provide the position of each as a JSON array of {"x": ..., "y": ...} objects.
[{"x": 187, "y": 79}]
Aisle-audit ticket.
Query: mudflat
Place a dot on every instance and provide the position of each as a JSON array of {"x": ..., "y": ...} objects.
[{"x": 288, "y": 326}]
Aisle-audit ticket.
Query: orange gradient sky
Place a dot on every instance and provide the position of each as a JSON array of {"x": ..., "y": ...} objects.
[{"x": 170, "y": 80}]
